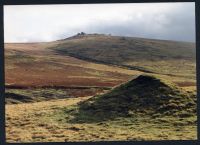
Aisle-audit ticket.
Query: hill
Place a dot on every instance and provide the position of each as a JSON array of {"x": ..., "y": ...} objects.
[
  {"x": 94, "y": 61},
  {"x": 147, "y": 95},
  {"x": 34, "y": 65},
  {"x": 129, "y": 52}
]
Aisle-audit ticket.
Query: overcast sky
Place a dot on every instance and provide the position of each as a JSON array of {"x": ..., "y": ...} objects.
[{"x": 36, "y": 23}]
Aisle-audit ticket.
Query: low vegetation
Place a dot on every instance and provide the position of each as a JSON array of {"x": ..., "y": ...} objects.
[{"x": 162, "y": 112}]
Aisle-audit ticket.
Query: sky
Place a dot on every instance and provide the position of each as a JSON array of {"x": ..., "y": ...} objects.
[{"x": 44, "y": 23}]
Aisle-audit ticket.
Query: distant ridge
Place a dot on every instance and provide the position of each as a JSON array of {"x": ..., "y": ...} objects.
[{"x": 83, "y": 34}]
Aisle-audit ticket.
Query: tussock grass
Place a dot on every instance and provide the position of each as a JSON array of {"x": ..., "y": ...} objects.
[
  {"x": 147, "y": 95},
  {"x": 50, "y": 121}
]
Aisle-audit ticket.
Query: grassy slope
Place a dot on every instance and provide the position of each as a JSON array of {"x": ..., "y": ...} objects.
[
  {"x": 163, "y": 112},
  {"x": 160, "y": 98},
  {"x": 158, "y": 56},
  {"x": 34, "y": 65}
]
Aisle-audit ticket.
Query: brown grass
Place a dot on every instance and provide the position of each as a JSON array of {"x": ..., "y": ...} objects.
[
  {"x": 23, "y": 120},
  {"x": 35, "y": 65},
  {"x": 46, "y": 122},
  {"x": 44, "y": 67}
]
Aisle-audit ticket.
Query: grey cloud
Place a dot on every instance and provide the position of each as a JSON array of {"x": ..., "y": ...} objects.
[{"x": 175, "y": 23}]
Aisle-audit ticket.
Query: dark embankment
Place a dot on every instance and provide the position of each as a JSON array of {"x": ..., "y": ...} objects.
[
  {"x": 16, "y": 96},
  {"x": 20, "y": 94}
]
